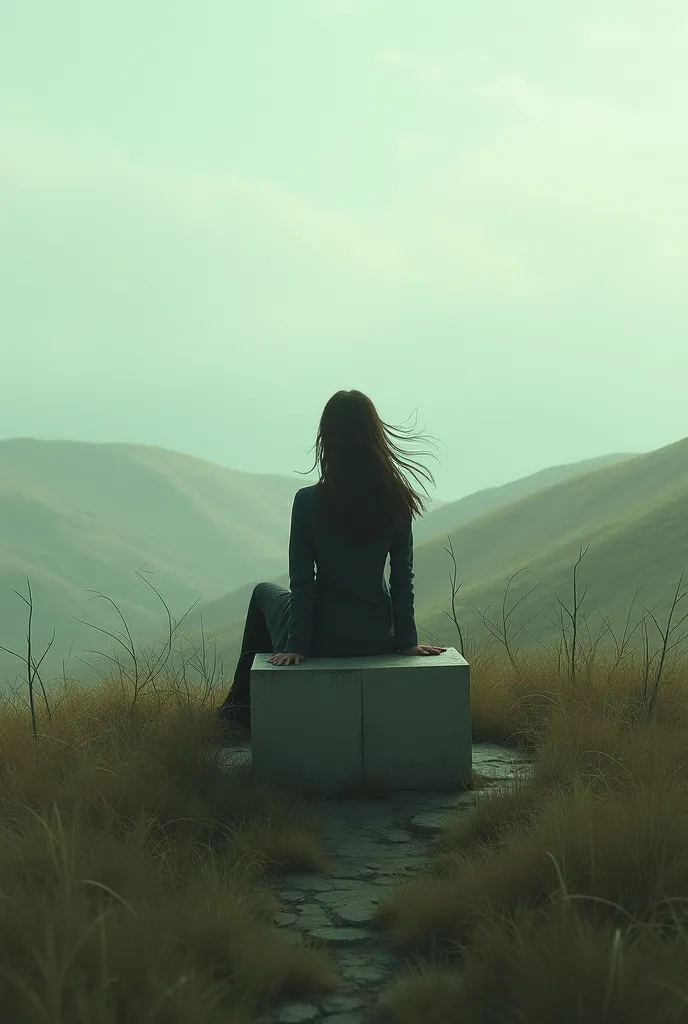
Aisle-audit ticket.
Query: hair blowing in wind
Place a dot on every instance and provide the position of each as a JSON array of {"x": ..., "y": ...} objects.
[{"x": 362, "y": 483}]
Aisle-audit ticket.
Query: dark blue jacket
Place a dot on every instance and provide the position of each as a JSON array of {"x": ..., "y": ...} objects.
[{"x": 347, "y": 609}]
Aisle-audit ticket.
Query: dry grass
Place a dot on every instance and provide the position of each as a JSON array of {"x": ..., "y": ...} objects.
[
  {"x": 550, "y": 965},
  {"x": 133, "y": 869},
  {"x": 565, "y": 898},
  {"x": 428, "y": 992}
]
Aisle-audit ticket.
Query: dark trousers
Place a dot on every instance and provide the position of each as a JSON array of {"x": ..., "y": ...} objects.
[{"x": 236, "y": 707}]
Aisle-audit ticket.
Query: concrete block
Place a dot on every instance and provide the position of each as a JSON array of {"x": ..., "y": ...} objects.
[
  {"x": 417, "y": 722},
  {"x": 306, "y": 723},
  {"x": 386, "y": 722}
]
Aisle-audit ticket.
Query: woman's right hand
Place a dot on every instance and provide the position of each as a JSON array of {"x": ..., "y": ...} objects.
[{"x": 424, "y": 649}]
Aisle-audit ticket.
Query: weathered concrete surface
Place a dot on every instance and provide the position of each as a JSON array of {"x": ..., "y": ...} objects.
[
  {"x": 372, "y": 845},
  {"x": 388, "y": 722}
]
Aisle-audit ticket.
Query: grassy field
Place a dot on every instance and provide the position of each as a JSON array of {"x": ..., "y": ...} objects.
[
  {"x": 133, "y": 869},
  {"x": 565, "y": 897}
]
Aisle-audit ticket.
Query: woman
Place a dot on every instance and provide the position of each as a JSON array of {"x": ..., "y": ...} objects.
[{"x": 360, "y": 511}]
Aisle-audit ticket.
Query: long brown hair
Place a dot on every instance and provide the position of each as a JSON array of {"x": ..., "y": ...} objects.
[{"x": 363, "y": 490}]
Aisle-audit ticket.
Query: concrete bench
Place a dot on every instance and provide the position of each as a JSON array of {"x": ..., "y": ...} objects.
[{"x": 386, "y": 722}]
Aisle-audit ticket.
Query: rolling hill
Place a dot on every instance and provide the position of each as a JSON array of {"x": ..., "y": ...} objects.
[
  {"x": 632, "y": 513},
  {"x": 441, "y": 521},
  {"x": 631, "y": 510},
  {"x": 632, "y": 516},
  {"x": 77, "y": 516}
]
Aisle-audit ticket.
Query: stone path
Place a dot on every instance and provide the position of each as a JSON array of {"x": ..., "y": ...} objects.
[{"x": 371, "y": 845}]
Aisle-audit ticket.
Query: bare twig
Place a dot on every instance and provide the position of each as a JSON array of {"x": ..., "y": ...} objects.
[
  {"x": 622, "y": 650},
  {"x": 500, "y": 629},
  {"x": 32, "y": 666},
  {"x": 145, "y": 670},
  {"x": 668, "y": 644},
  {"x": 573, "y": 615},
  {"x": 454, "y": 591}
]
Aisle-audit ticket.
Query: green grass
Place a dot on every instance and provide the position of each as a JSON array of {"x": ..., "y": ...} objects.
[
  {"x": 565, "y": 898},
  {"x": 134, "y": 871}
]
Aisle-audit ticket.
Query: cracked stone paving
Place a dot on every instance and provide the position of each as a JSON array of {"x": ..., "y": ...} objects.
[{"x": 371, "y": 845}]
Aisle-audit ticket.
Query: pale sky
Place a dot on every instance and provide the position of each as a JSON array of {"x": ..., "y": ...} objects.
[{"x": 215, "y": 214}]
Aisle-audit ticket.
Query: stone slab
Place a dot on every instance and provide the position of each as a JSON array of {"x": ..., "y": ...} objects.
[
  {"x": 306, "y": 724},
  {"x": 382, "y": 723},
  {"x": 417, "y": 723}
]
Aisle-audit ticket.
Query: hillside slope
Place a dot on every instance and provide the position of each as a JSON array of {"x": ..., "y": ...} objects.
[
  {"x": 78, "y": 516},
  {"x": 633, "y": 515},
  {"x": 441, "y": 521}
]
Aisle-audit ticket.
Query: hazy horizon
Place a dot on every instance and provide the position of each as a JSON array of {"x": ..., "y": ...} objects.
[
  {"x": 313, "y": 475},
  {"x": 213, "y": 218}
]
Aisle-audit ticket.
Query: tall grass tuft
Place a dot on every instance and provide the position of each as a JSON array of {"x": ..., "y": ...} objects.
[
  {"x": 564, "y": 895},
  {"x": 133, "y": 866}
]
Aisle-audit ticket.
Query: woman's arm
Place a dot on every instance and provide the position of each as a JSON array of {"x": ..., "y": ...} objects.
[
  {"x": 401, "y": 587},
  {"x": 301, "y": 581}
]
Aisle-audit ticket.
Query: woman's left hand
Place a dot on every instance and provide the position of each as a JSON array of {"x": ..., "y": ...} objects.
[{"x": 286, "y": 659}]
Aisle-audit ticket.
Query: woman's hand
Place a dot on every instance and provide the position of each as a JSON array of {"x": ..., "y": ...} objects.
[
  {"x": 286, "y": 659},
  {"x": 424, "y": 649}
]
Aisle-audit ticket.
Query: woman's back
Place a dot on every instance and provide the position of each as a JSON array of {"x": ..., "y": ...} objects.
[
  {"x": 342, "y": 530},
  {"x": 347, "y": 608}
]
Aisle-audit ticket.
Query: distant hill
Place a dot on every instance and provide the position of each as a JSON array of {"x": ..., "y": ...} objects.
[
  {"x": 451, "y": 515},
  {"x": 610, "y": 507},
  {"x": 76, "y": 516},
  {"x": 632, "y": 515}
]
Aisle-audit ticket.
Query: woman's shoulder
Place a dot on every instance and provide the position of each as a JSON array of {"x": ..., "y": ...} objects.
[
  {"x": 306, "y": 496},
  {"x": 307, "y": 492}
]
